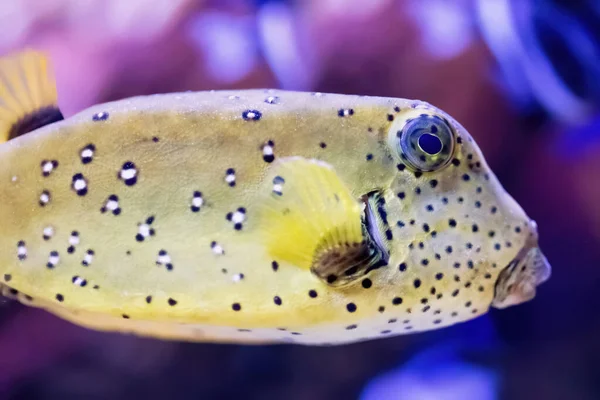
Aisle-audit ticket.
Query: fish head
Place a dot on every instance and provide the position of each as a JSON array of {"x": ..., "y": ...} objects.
[{"x": 456, "y": 229}]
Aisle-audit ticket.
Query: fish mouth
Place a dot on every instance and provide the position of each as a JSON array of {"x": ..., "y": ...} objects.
[{"x": 528, "y": 269}]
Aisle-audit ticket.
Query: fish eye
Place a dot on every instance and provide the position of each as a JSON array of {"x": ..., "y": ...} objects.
[{"x": 425, "y": 142}]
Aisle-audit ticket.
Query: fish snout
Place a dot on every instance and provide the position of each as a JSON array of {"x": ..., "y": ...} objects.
[{"x": 528, "y": 269}]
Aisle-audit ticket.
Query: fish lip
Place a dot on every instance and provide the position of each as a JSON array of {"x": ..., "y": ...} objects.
[{"x": 517, "y": 285}]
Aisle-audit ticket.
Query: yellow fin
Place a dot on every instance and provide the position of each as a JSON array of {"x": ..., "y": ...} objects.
[
  {"x": 28, "y": 98},
  {"x": 310, "y": 219}
]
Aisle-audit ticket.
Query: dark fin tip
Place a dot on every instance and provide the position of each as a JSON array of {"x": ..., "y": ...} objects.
[{"x": 37, "y": 119}]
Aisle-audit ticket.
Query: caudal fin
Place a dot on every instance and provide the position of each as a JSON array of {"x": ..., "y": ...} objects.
[{"x": 28, "y": 98}]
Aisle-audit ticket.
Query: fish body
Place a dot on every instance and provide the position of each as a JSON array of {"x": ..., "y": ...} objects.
[{"x": 260, "y": 216}]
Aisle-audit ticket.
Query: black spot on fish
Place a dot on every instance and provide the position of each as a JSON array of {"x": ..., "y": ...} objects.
[
  {"x": 251, "y": 115},
  {"x": 101, "y": 116},
  {"x": 345, "y": 112}
]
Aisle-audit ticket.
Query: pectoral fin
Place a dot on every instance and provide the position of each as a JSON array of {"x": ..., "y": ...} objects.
[{"x": 310, "y": 219}]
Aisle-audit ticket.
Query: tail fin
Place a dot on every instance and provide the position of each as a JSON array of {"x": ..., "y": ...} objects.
[{"x": 28, "y": 97}]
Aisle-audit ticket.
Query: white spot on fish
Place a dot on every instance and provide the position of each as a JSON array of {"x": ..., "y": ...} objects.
[
  {"x": 164, "y": 259},
  {"x": 278, "y": 183},
  {"x": 74, "y": 239},
  {"x": 129, "y": 173},
  {"x": 48, "y": 232},
  {"x": 79, "y": 184},
  {"x": 272, "y": 100},
  {"x": 237, "y": 277},
  {"x": 237, "y": 218},
  {"x": 216, "y": 248},
  {"x": 79, "y": 281},
  {"x": 268, "y": 151},
  {"x": 44, "y": 198},
  {"x": 88, "y": 258},
  {"x": 87, "y": 153},
  {"x": 197, "y": 201},
  {"x": 144, "y": 230},
  {"x": 48, "y": 167},
  {"x": 21, "y": 250},
  {"x": 53, "y": 259},
  {"x": 230, "y": 177},
  {"x": 111, "y": 204}
]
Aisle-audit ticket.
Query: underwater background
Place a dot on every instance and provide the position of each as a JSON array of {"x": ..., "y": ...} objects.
[{"x": 523, "y": 76}]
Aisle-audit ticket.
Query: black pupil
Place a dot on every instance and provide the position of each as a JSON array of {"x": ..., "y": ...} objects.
[{"x": 430, "y": 144}]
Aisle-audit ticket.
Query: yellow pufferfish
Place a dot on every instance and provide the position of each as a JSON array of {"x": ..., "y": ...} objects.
[{"x": 255, "y": 216}]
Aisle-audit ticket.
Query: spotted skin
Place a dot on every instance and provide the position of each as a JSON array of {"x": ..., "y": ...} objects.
[{"x": 186, "y": 173}]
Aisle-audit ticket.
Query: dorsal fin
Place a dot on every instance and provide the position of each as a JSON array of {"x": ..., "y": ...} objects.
[{"x": 28, "y": 97}]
